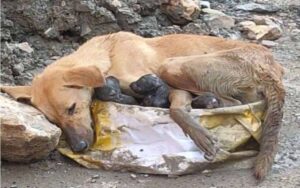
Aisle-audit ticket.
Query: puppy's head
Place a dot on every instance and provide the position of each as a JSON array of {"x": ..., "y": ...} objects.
[
  {"x": 146, "y": 84},
  {"x": 110, "y": 91},
  {"x": 206, "y": 100},
  {"x": 64, "y": 96}
]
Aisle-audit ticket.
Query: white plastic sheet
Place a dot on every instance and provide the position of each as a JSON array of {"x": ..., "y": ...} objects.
[{"x": 147, "y": 140}]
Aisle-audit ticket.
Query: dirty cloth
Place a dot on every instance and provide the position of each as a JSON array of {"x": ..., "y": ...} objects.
[{"x": 147, "y": 140}]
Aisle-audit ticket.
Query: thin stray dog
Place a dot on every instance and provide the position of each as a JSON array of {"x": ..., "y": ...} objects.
[{"x": 63, "y": 91}]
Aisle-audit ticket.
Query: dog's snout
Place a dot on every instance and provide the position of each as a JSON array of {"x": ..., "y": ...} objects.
[
  {"x": 80, "y": 146},
  {"x": 79, "y": 137}
]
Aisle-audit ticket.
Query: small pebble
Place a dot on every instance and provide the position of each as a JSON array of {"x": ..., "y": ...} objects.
[
  {"x": 206, "y": 171},
  {"x": 48, "y": 62},
  {"x": 55, "y": 57},
  {"x": 140, "y": 181},
  {"x": 96, "y": 176},
  {"x": 93, "y": 180},
  {"x": 133, "y": 176}
]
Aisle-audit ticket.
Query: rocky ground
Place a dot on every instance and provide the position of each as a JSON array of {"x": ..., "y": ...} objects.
[{"x": 36, "y": 33}]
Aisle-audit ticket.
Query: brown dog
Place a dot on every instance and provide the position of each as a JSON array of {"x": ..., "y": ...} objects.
[{"x": 63, "y": 91}]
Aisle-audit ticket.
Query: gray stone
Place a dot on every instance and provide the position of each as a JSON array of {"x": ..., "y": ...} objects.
[
  {"x": 259, "y": 8},
  {"x": 103, "y": 15},
  {"x": 148, "y": 7},
  {"x": 148, "y": 27},
  {"x": 196, "y": 27},
  {"x": 24, "y": 46},
  {"x": 162, "y": 19},
  {"x": 26, "y": 134},
  {"x": 125, "y": 13},
  {"x": 18, "y": 69},
  {"x": 85, "y": 6},
  {"x": 226, "y": 33},
  {"x": 215, "y": 21},
  {"x": 85, "y": 29}
]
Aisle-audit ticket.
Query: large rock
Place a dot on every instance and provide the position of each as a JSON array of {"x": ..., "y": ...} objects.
[
  {"x": 219, "y": 21},
  {"x": 181, "y": 11},
  {"x": 26, "y": 134},
  {"x": 260, "y": 32}
]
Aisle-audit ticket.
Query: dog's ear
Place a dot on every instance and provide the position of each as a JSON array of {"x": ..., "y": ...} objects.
[
  {"x": 82, "y": 76},
  {"x": 20, "y": 93}
]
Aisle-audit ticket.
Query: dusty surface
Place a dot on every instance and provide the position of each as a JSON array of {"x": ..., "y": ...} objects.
[{"x": 57, "y": 171}]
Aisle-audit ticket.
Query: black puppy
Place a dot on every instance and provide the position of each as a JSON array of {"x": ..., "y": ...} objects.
[
  {"x": 154, "y": 90},
  {"x": 206, "y": 100},
  {"x": 112, "y": 92}
]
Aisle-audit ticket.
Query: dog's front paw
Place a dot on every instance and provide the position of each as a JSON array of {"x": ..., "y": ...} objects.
[{"x": 262, "y": 166}]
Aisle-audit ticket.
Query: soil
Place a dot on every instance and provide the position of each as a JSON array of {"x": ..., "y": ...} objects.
[{"x": 58, "y": 171}]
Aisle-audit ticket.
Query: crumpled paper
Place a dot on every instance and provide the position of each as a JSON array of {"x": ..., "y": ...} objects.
[{"x": 147, "y": 140}]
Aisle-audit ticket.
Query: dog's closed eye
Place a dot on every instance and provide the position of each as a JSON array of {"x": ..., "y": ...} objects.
[{"x": 71, "y": 109}]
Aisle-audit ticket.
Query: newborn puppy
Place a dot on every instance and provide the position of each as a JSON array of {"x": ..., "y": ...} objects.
[
  {"x": 112, "y": 92},
  {"x": 206, "y": 100},
  {"x": 154, "y": 90}
]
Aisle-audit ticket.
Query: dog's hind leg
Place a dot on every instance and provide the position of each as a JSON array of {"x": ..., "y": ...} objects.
[{"x": 180, "y": 106}]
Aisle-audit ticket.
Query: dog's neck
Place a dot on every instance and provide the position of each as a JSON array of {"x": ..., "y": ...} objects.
[{"x": 94, "y": 52}]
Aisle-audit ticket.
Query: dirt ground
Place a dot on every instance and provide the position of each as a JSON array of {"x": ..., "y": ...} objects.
[{"x": 57, "y": 171}]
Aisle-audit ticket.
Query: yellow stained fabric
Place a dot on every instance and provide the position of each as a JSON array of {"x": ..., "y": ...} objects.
[{"x": 232, "y": 126}]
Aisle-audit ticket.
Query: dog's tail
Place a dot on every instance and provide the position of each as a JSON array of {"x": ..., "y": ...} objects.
[{"x": 274, "y": 93}]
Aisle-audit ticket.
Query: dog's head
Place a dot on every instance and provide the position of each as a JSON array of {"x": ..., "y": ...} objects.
[{"x": 64, "y": 96}]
